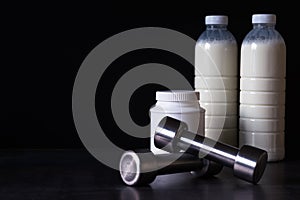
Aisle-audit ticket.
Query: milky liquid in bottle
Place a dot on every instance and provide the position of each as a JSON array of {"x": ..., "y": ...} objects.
[
  {"x": 262, "y": 85},
  {"x": 216, "y": 79}
]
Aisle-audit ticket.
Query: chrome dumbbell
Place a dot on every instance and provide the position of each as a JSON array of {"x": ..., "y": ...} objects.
[
  {"x": 248, "y": 162},
  {"x": 141, "y": 170}
]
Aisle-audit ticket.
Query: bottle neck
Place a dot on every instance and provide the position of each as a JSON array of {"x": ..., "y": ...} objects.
[
  {"x": 216, "y": 26},
  {"x": 263, "y": 25}
]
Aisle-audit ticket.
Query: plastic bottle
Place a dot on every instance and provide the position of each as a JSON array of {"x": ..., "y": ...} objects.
[
  {"x": 179, "y": 104},
  {"x": 262, "y": 85},
  {"x": 216, "y": 79}
]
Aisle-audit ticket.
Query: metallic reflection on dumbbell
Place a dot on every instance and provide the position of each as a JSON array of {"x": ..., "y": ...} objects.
[
  {"x": 248, "y": 163},
  {"x": 142, "y": 170}
]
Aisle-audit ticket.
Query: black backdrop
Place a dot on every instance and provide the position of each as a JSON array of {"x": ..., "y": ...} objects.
[{"x": 44, "y": 45}]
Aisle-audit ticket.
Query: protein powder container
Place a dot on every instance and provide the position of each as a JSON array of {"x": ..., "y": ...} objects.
[{"x": 179, "y": 104}]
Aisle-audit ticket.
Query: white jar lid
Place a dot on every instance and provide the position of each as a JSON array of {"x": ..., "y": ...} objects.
[
  {"x": 177, "y": 95},
  {"x": 216, "y": 19},
  {"x": 264, "y": 18}
]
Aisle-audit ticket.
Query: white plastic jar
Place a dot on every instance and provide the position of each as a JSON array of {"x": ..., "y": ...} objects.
[{"x": 179, "y": 104}]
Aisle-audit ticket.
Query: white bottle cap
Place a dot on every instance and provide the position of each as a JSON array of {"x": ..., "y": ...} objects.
[
  {"x": 177, "y": 95},
  {"x": 216, "y": 19},
  {"x": 264, "y": 18}
]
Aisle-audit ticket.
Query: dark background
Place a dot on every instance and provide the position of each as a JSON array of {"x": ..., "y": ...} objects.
[{"x": 44, "y": 45}]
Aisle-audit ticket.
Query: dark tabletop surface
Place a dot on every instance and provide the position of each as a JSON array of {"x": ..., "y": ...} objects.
[{"x": 75, "y": 174}]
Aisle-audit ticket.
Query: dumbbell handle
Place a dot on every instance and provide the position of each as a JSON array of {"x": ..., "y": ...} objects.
[
  {"x": 248, "y": 162},
  {"x": 168, "y": 164},
  {"x": 208, "y": 148}
]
